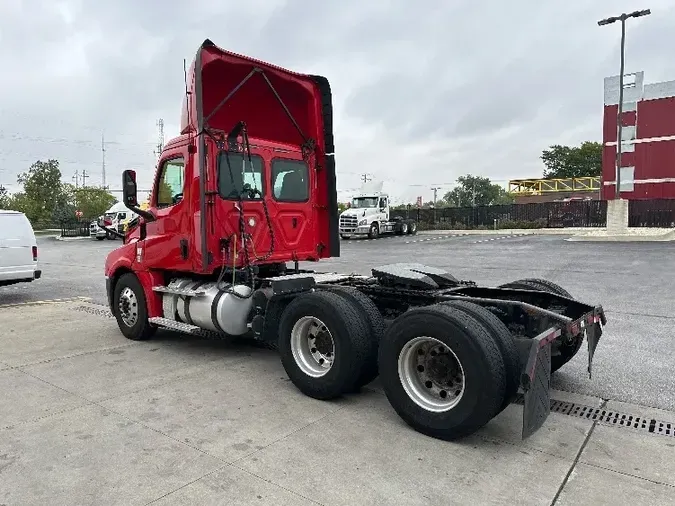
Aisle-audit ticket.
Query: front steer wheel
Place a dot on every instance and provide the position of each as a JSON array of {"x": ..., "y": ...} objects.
[
  {"x": 324, "y": 344},
  {"x": 442, "y": 371},
  {"x": 130, "y": 308}
]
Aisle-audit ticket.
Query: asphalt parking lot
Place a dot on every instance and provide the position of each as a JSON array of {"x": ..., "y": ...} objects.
[{"x": 89, "y": 418}]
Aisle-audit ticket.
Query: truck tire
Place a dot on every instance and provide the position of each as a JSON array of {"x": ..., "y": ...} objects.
[
  {"x": 377, "y": 329},
  {"x": 130, "y": 308},
  {"x": 412, "y": 228},
  {"x": 374, "y": 231},
  {"x": 402, "y": 228},
  {"x": 420, "y": 350},
  {"x": 504, "y": 340},
  {"x": 567, "y": 350},
  {"x": 324, "y": 341}
]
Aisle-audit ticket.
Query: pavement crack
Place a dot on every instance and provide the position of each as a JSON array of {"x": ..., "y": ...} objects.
[
  {"x": 281, "y": 438},
  {"x": 647, "y": 315},
  {"x": 628, "y": 475},
  {"x": 187, "y": 484},
  {"x": 577, "y": 458},
  {"x": 280, "y": 486}
]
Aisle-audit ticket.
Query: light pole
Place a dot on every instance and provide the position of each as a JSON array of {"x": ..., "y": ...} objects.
[
  {"x": 435, "y": 189},
  {"x": 608, "y": 21}
]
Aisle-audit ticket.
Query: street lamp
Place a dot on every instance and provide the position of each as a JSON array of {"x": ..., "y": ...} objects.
[{"x": 608, "y": 21}]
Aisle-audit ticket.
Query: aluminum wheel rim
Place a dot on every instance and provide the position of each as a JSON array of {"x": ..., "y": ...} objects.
[
  {"x": 404, "y": 228},
  {"x": 312, "y": 346},
  {"x": 128, "y": 307},
  {"x": 431, "y": 374}
]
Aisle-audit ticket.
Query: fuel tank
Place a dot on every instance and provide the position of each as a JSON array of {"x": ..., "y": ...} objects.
[{"x": 223, "y": 308}]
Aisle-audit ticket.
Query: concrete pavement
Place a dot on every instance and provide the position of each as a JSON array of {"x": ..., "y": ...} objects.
[{"x": 87, "y": 417}]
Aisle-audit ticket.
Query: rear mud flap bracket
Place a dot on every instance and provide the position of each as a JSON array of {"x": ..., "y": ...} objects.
[{"x": 535, "y": 381}]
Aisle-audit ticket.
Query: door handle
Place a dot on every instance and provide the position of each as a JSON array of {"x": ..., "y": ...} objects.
[{"x": 184, "y": 249}]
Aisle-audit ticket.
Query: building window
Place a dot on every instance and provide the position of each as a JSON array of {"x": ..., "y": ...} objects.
[
  {"x": 290, "y": 179},
  {"x": 170, "y": 183},
  {"x": 238, "y": 177},
  {"x": 627, "y": 183}
]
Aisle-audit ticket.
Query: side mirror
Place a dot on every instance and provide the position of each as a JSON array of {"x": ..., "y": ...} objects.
[
  {"x": 130, "y": 195},
  {"x": 129, "y": 188}
]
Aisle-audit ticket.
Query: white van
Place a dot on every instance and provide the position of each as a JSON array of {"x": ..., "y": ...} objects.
[
  {"x": 18, "y": 249},
  {"x": 114, "y": 218}
]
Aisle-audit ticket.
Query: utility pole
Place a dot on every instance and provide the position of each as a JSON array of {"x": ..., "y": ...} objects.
[
  {"x": 84, "y": 178},
  {"x": 608, "y": 21},
  {"x": 160, "y": 137},
  {"x": 76, "y": 177},
  {"x": 365, "y": 178},
  {"x": 435, "y": 190},
  {"x": 103, "y": 161}
]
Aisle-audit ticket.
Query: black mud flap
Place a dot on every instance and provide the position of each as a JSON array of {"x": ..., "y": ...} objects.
[
  {"x": 593, "y": 333},
  {"x": 535, "y": 382}
]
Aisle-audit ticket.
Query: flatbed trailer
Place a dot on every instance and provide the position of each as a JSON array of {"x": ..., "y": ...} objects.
[{"x": 210, "y": 254}]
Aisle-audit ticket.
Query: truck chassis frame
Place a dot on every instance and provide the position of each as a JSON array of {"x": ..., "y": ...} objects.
[{"x": 530, "y": 323}]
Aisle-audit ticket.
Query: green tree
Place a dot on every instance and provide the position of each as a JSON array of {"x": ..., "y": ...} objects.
[
  {"x": 42, "y": 190},
  {"x": 476, "y": 190},
  {"x": 91, "y": 201},
  {"x": 4, "y": 197},
  {"x": 564, "y": 162}
]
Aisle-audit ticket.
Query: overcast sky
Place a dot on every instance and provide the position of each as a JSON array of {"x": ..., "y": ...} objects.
[{"x": 421, "y": 95}]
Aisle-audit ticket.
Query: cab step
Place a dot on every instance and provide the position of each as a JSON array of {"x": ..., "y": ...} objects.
[
  {"x": 185, "y": 328},
  {"x": 179, "y": 291}
]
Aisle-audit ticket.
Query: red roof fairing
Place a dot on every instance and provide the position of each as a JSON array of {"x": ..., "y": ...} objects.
[{"x": 254, "y": 102}]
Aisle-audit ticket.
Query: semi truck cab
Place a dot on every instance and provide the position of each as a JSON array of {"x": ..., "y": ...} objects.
[{"x": 369, "y": 215}]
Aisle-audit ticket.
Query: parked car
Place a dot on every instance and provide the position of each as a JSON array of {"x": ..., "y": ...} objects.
[{"x": 18, "y": 249}]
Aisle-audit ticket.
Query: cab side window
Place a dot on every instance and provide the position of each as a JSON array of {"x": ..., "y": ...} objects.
[
  {"x": 383, "y": 202},
  {"x": 171, "y": 181},
  {"x": 290, "y": 180}
]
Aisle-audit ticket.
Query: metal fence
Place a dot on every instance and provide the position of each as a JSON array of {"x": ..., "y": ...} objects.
[
  {"x": 588, "y": 213},
  {"x": 651, "y": 213},
  {"x": 75, "y": 229}
]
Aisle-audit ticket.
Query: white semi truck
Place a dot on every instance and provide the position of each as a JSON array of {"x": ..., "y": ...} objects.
[{"x": 369, "y": 214}]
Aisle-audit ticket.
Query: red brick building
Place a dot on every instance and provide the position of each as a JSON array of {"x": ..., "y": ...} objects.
[{"x": 648, "y": 139}]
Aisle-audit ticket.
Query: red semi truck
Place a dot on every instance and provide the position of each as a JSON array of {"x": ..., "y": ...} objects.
[{"x": 247, "y": 192}]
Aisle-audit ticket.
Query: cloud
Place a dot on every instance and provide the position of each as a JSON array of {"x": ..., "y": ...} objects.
[{"x": 422, "y": 94}]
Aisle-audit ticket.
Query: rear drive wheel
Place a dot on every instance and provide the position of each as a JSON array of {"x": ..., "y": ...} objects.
[
  {"x": 507, "y": 346},
  {"x": 324, "y": 343},
  {"x": 441, "y": 371},
  {"x": 130, "y": 308},
  {"x": 568, "y": 349},
  {"x": 412, "y": 229},
  {"x": 377, "y": 327}
]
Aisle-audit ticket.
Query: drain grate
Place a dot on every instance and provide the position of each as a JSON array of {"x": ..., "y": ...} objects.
[
  {"x": 609, "y": 417},
  {"x": 102, "y": 311}
]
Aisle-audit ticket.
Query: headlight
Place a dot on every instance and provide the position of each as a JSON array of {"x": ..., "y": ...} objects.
[{"x": 363, "y": 222}]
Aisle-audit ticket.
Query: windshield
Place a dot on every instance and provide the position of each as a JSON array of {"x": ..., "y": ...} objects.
[{"x": 361, "y": 202}]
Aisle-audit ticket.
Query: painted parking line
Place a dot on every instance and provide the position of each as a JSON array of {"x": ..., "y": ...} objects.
[
  {"x": 500, "y": 238},
  {"x": 42, "y": 302},
  {"x": 435, "y": 238}
]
